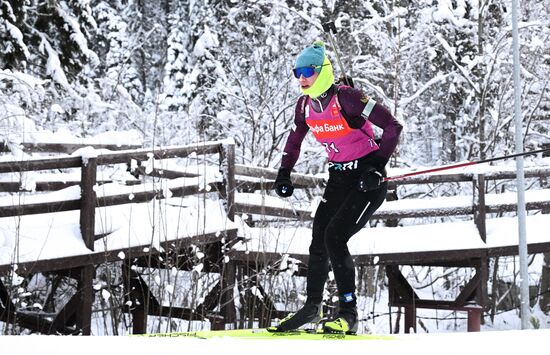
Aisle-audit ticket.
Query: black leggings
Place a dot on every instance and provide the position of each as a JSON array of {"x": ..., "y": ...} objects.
[{"x": 342, "y": 213}]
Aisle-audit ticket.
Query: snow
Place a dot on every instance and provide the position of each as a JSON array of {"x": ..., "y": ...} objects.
[
  {"x": 54, "y": 64},
  {"x": 49, "y": 236},
  {"x": 388, "y": 240},
  {"x": 206, "y": 41},
  {"x": 504, "y": 343}
]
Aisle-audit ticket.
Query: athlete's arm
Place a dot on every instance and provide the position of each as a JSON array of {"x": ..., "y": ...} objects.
[{"x": 297, "y": 134}]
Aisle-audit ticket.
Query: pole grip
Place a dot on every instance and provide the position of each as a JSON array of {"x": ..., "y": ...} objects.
[{"x": 329, "y": 27}]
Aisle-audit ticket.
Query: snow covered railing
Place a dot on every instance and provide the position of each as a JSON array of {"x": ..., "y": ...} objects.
[
  {"x": 43, "y": 237},
  {"x": 67, "y": 148},
  {"x": 455, "y": 243},
  {"x": 477, "y": 205},
  {"x": 90, "y": 195}
]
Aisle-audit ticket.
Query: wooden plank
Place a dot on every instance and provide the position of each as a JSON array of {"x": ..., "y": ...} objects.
[
  {"x": 138, "y": 298},
  {"x": 210, "y": 301},
  {"x": 299, "y": 180},
  {"x": 44, "y": 186},
  {"x": 15, "y": 186},
  {"x": 467, "y": 177},
  {"x": 509, "y": 250},
  {"x": 426, "y": 212},
  {"x": 37, "y": 322},
  {"x": 441, "y": 258},
  {"x": 158, "y": 153},
  {"x": 40, "y": 164},
  {"x": 301, "y": 215},
  {"x": 230, "y": 181},
  {"x": 410, "y": 318},
  {"x": 421, "y": 258},
  {"x": 146, "y": 196},
  {"x": 165, "y": 173},
  {"x": 305, "y": 215},
  {"x": 109, "y": 158},
  {"x": 66, "y": 316},
  {"x": 512, "y": 207},
  {"x": 71, "y": 205},
  {"x": 469, "y": 292},
  {"x": 483, "y": 270},
  {"x": 263, "y": 258},
  {"x": 445, "y": 258},
  {"x": 66, "y": 148},
  {"x": 37, "y": 208},
  {"x": 399, "y": 288},
  {"x": 144, "y": 303},
  {"x": 438, "y": 304},
  {"x": 227, "y": 301}
]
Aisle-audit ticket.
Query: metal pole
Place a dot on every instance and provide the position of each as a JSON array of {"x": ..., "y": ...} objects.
[
  {"x": 523, "y": 266},
  {"x": 330, "y": 28},
  {"x": 462, "y": 165}
]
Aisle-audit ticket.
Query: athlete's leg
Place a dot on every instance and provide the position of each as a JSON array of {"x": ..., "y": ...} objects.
[
  {"x": 318, "y": 265},
  {"x": 351, "y": 216}
]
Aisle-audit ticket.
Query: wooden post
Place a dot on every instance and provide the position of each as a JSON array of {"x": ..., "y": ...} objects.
[
  {"x": 479, "y": 206},
  {"x": 410, "y": 318},
  {"x": 228, "y": 276},
  {"x": 88, "y": 201},
  {"x": 230, "y": 185},
  {"x": 134, "y": 299},
  {"x": 483, "y": 270},
  {"x": 85, "y": 288},
  {"x": 7, "y": 308},
  {"x": 87, "y": 229}
]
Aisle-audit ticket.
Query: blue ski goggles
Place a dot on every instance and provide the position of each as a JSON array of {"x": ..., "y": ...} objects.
[{"x": 306, "y": 72}]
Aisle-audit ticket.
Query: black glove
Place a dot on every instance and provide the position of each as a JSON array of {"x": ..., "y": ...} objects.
[
  {"x": 283, "y": 185},
  {"x": 373, "y": 176},
  {"x": 370, "y": 180}
]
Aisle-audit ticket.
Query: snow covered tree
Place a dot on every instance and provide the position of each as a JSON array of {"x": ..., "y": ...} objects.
[{"x": 14, "y": 53}]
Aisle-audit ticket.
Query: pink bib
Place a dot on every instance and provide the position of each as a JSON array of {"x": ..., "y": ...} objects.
[{"x": 341, "y": 142}]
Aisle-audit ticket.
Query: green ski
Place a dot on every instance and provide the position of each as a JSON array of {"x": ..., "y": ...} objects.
[{"x": 263, "y": 334}]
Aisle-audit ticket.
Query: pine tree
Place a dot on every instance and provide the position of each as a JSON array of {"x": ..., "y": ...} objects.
[{"x": 14, "y": 53}]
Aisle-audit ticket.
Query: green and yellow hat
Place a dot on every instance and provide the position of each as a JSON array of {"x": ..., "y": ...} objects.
[{"x": 315, "y": 56}]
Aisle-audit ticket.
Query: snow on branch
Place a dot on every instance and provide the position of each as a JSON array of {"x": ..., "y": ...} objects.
[
  {"x": 77, "y": 35},
  {"x": 426, "y": 86},
  {"x": 449, "y": 50},
  {"x": 53, "y": 66}
]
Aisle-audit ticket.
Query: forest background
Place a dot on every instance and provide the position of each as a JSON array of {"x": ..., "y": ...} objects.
[{"x": 181, "y": 71}]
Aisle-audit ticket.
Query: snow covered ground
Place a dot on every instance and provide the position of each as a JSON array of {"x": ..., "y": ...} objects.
[{"x": 497, "y": 342}]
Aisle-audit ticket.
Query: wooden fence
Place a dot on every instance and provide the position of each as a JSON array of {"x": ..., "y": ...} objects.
[
  {"x": 243, "y": 267},
  {"x": 75, "y": 317}
]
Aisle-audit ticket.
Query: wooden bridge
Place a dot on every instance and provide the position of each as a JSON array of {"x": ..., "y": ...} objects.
[{"x": 179, "y": 200}]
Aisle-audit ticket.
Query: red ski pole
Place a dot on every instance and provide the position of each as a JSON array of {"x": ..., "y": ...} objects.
[{"x": 460, "y": 165}]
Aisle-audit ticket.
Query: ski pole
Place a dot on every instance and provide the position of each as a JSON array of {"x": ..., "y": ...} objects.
[
  {"x": 330, "y": 28},
  {"x": 460, "y": 165}
]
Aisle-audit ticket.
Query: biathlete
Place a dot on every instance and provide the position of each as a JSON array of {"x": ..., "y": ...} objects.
[{"x": 340, "y": 118}]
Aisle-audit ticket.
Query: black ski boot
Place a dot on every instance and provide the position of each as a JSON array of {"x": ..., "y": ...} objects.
[{"x": 309, "y": 313}]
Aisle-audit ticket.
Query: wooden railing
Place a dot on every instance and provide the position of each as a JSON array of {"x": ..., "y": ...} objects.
[
  {"x": 235, "y": 177},
  {"x": 83, "y": 266}
]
